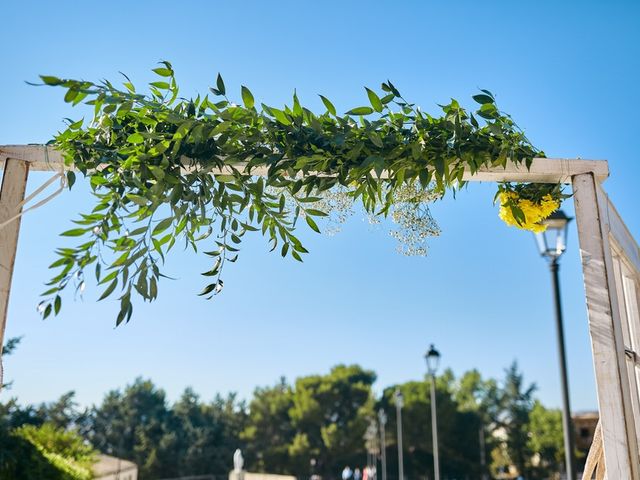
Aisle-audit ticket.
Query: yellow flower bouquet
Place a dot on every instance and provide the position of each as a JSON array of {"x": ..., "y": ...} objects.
[{"x": 525, "y": 206}]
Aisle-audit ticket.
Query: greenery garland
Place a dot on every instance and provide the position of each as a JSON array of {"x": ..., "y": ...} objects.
[{"x": 165, "y": 169}]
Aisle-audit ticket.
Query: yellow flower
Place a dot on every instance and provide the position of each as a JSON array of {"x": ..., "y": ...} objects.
[{"x": 534, "y": 212}]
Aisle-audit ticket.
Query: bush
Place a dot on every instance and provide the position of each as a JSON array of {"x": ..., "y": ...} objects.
[{"x": 46, "y": 453}]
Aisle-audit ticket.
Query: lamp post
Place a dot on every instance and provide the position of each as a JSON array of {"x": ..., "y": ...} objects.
[
  {"x": 382, "y": 419},
  {"x": 399, "y": 401},
  {"x": 371, "y": 444},
  {"x": 433, "y": 359},
  {"x": 552, "y": 244}
]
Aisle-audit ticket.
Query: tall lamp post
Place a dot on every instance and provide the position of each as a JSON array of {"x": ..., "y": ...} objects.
[
  {"x": 382, "y": 419},
  {"x": 433, "y": 359},
  {"x": 371, "y": 444},
  {"x": 399, "y": 401},
  {"x": 552, "y": 244}
]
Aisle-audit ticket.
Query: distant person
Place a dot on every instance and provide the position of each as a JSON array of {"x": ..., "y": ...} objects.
[
  {"x": 357, "y": 475},
  {"x": 347, "y": 473},
  {"x": 369, "y": 473},
  {"x": 365, "y": 473}
]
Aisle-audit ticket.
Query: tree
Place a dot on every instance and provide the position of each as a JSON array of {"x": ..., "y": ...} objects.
[
  {"x": 457, "y": 429},
  {"x": 516, "y": 404},
  {"x": 7, "y": 350},
  {"x": 269, "y": 433},
  {"x": 546, "y": 439},
  {"x": 482, "y": 397},
  {"x": 132, "y": 425},
  {"x": 203, "y": 436},
  {"x": 330, "y": 414},
  {"x": 47, "y": 452}
]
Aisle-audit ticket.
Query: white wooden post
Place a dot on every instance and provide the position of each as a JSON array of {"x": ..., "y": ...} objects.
[
  {"x": 605, "y": 328},
  {"x": 14, "y": 183}
]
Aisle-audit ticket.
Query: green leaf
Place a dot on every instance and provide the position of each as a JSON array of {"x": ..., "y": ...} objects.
[
  {"x": 70, "y": 95},
  {"x": 220, "y": 85},
  {"x": 376, "y": 103},
  {"x": 163, "y": 72},
  {"x": 317, "y": 213},
  {"x": 160, "y": 85},
  {"x": 71, "y": 178},
  {"x": 311, "y": 222},
  {"x": 135, "y": 138},
  {"x": 280, "y": 116},
  {"x": 330, "y": 108},
  {"x": 360, "y": 111},
  {"x": 162, "y": 225},
  {"x": 138, "y": 200},
  {"x": 109, "y": 290},
  {"x": 49, "y": 80},
  {"x": 57, "y": 304},
  {"x": 247, "y": 97},
  {"x": 208, "y": 289},
  {"x": 75, "y": 232},
  {"x": 482, "y": 99},
  {"x": 488, "y": 111}
]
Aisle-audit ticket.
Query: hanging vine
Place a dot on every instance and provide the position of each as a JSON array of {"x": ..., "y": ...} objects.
[{"x": 205, "y": 171}]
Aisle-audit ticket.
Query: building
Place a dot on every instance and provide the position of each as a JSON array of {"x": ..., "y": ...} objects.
[{"x": 113, "y": 468}]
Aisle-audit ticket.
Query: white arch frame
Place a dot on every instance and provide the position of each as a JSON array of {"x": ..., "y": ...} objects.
[{"x": 610, "y": 263}]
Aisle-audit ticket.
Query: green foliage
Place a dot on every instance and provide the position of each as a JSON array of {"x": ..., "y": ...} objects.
[
  {"x": 270, "y": 433},
  {"x": 457, "y": 429},
  {"x": 515, "y": 405},
  {"x": 546, "y": 438},
  {"x": 7, "y": 350},
  {"x": 48, "y": 453},
  {"x": 330, "y": 414},
  {"x": 190, "y": 437},
  {"x": 284, "y": 427},
  {"x": 166, "y": 170}
]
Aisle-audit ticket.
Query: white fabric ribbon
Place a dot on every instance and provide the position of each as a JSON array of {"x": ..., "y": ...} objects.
[{"x": 58, "y": 176}]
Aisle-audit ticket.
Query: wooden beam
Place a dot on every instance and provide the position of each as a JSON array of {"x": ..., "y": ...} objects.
[
  {"x": 543, "y": 170},
  {"x": 14, "y": 183},
  {"x": 605, "y": 328},
  {"x": 618, "y": 229}
]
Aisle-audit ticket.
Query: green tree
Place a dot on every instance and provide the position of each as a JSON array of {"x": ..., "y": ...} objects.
[
  {"x": 47, "y": 452},
  {"x": 269, "y": 433},
  {"x": 546, "y": 439},
  {"x": 7, "y": 350},
  {"x": 483, "y": 398},
  {"x": 206, "y": 434},
  {"x": 330, "y": 414},
  {"x": 132, "y": 425},
  {"x": 457, "y": 430},
  {"x": 516, "y": 405}
]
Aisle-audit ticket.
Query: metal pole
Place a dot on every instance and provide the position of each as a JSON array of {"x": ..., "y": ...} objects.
[
  {"x": 566, "y": 409},
  {"x": 400, "y": 459},
  {"x": 383, "y": 446},
  {"x": 434, "y": 429}
]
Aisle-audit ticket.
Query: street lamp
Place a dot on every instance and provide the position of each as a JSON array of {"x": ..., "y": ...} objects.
[
  {"x": 552, "y": 243},
  {"x": 371, "y": 444},
  {"x": 433, "y": 359},
  {"x": 399, "y": 401},
  {"x": 382, "y": 419}
]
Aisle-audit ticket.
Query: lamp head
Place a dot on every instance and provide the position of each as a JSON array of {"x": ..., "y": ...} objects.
[
  {"x": 433, "y": 359},
  {"x": 553, "y": 241}
]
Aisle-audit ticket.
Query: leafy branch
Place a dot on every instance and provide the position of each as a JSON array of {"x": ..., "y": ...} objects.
[{"x": 165, "y": 169}]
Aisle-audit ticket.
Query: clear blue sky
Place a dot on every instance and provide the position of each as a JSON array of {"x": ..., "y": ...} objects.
[{"x": 567, "y": 72}]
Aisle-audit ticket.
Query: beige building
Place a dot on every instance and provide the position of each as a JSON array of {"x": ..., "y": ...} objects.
[
  {"x": 584, "y": 426},
  {"x": 112, "y": 468}
]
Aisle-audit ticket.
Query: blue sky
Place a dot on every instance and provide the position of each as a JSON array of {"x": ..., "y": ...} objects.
[{"x": 567, "y": 72}]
